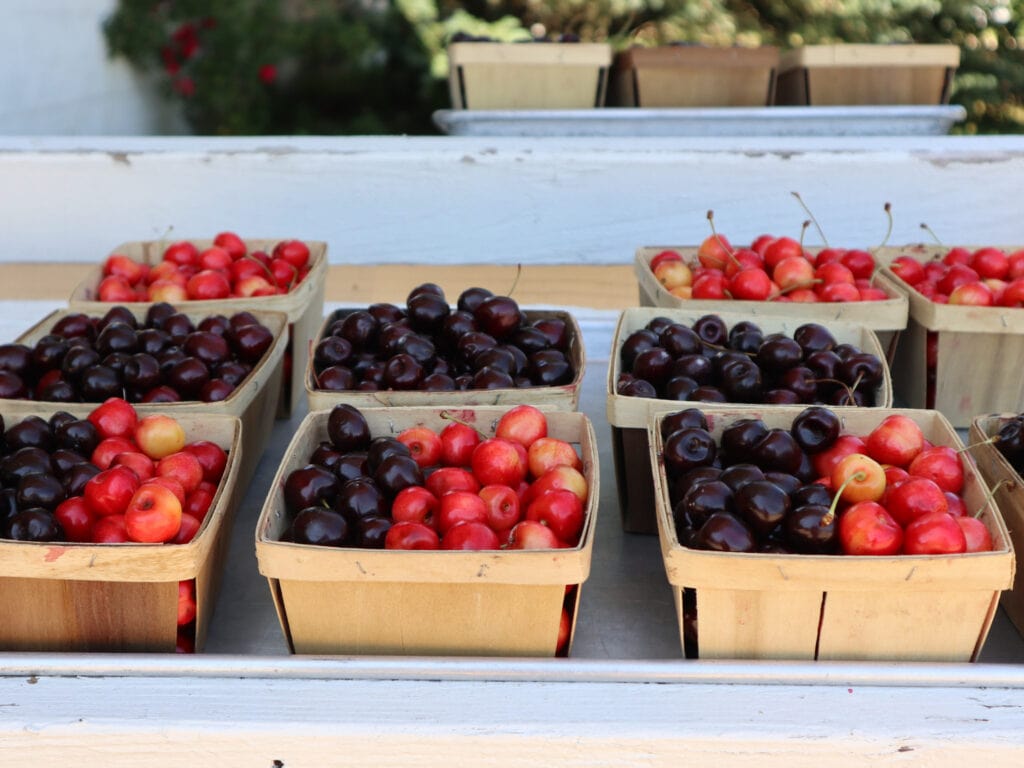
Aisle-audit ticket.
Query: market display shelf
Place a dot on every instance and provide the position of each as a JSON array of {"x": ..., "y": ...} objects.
[
  {"x": 247, "y": 700},
  {"x": 700, "y": 121},
  {"x": 626, "y": 611}
]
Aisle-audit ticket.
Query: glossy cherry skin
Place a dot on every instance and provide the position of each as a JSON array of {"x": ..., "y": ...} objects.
[
  {"x": 685, "y": 449},
  {"x": 815, "y": 429}
]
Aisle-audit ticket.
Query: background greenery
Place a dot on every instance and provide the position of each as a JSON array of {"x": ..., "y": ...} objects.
[{"x": 378, "y": 66}]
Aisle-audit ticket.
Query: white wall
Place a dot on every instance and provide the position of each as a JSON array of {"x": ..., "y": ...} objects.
[
  {"x": 56, "y": 78},
  {"x": 445, "y": 199}
]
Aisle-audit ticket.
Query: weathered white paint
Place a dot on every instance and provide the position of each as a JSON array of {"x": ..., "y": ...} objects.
[
  {"x": 56, "y": 77},
  {"x": 451, "y": 200},
  {"x": 254, "y": 721}
]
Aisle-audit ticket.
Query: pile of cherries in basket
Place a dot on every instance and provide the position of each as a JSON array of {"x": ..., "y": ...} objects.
[
  {"x": 485, "y": 342},
  {"x": 710, "y": 362},
  {"x": 814, "y": 489},
  {"x": 163, "y": 359}
]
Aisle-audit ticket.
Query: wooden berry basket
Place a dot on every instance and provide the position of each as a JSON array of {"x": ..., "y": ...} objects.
[
  {"x": 254, "y": 401},
  {"x": 901, "y": 608},
  {"x": 978, "y": 350},
  {"x": 304, "y": 305},
  {"x": 887, "y": 318},
  {"x": 485, "y": 75},
  {"x": 694, "y": 76},
  {"x": 996, "y": 469},
  {"x": 847, "y": 74},
  {"x": 629, "y": 416},
  {"x": 563, "y": 397},
  {"x": 116, "y": 597},
  {"x": 365, "y": 601}
]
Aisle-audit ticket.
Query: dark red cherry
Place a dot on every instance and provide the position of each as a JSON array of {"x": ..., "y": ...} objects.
[
  {"x": 685, "y": 449},
  {"x": 688, "y": 418},
  {"x": 310, "y": 486},
  {"x": 740, "y": 438},
  {"x": 320, "y": 526},
  {"x": 498, "y": 316},
  {"x": 347, "y": 428},
  {"x": 815, "y": 429},
  {"x": 724, "y": 532},
  {"x": 361, "y": 498}
]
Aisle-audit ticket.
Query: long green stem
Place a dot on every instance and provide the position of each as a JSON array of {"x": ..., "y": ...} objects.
[{"x": 827, "y": 518}]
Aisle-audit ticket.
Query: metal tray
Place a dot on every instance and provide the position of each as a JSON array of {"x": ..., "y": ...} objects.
[{"x": 693, "y": 122}]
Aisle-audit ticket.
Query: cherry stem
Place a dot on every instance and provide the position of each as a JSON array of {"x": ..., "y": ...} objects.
[
  {"x": 859, "y": 477},
  {"x": 727, "y": 249},
  {"x": 810, "y": 213},
  {"x": 720, "y": 348},
  {"x": 850, "y": 389},
  {"x": 931, "y": 233},
  {"x": 986, "y": 441},
  {"x": 803, "y": 232},
  {"x": 796, "y": 286},
  {"x": 989, "y": 495},
  {"x": 888, "y": 232},
  {"x": 165, "y": 237},
  {"x": 448, "y": 416},
  {"x": 265, "y": 268},
  {"x": 515, "y": 282}
]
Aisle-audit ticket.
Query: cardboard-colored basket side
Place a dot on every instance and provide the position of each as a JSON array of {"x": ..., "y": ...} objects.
[
  {"x": 379, "y": 601},
  {"x": 629, "y": 416},
  {"x": 254, "y": 400},
  {"x": 1008, "y": 489},
  {"x": 885, "y": 315},
  {"x": 117, "y": 597},
  {"x": 528, "y": 76},
  {"x": 564, "y": 397},
  {"x": 694, "y": 76},
  {"x": 927, "y": 608},
  {"x": 968, "y": 339},
  {"x": 304, "y": 304},
  {"x": 833, "y": 75}
]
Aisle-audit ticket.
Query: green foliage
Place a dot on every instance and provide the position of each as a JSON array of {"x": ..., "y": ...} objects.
[
  {"x": 378, "y": 66},
  {"x": 283, "y": 66}
]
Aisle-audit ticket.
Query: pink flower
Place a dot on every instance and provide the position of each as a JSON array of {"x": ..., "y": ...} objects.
[
  {"x": 170, "y": 61},
  {"x": 186, "y": 39},
  {"x": 185, "y": 86},
  {"x": 268, "y": 73}
]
